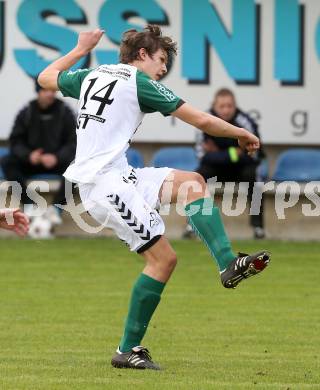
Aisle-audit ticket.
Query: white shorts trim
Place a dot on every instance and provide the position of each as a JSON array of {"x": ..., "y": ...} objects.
[{"x": 126, "y": 202}]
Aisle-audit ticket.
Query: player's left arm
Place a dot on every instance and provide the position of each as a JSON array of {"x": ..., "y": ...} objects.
[
  {"x": 215, "y": 126},
  {"x": 87, "y": 40}
]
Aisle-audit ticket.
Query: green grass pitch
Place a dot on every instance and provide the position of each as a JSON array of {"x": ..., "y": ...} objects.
[{"x": 63, "y": 303}]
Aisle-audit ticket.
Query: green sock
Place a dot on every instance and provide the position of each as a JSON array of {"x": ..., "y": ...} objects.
[
  {"x": 205, "y": 219},
  {"x": 144, "y": 301}
]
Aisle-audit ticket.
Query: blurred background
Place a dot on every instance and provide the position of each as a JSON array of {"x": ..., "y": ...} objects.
[{"x": 266, "y": 52}]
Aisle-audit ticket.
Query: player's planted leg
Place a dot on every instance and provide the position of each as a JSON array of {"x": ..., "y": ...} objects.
[
  {"x": 146, "y": 295},
  {"x": 144, "y": 301}
]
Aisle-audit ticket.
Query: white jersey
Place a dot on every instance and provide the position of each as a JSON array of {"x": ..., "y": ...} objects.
[{"x": 112, "y": 102}]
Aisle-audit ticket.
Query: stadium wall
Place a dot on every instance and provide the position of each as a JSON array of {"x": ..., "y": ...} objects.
[{"x": 267, "y": 51}]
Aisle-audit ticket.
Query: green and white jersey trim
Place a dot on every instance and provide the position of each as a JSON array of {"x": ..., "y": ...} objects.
[
  {"x": 69, "y": 82},
  {"x": 154, "y": 96},
  {"x": 112, "y": 102}
]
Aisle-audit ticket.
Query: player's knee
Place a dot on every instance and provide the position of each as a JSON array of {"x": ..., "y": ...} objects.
[
  {"x": 170, "y": 261},
  {"x": 199, "y": 179},
  {"x": 198, "y": 188}
]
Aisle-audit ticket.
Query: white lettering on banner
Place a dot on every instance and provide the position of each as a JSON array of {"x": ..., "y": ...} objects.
[{"x": 163, "y": 90}]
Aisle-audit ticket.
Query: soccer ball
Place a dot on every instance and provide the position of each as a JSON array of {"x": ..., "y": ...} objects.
[{"x": 40, "y": 228}]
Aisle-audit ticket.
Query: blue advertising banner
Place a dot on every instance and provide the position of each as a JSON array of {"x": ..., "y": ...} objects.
[{"x": 267, "y": 52}]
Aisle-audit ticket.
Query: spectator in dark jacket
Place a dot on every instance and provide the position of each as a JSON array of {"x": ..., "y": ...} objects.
[
  {"x": 43, "y": 140},
  {"x": 223, "y": 158}
]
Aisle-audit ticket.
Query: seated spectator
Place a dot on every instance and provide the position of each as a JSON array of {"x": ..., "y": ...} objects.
[
  {"x": 43, "y": 140},
  {"x": 223, "y": 158}
]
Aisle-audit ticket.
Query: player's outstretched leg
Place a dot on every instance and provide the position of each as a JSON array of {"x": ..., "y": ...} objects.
[{"x": 206, "y": 220}]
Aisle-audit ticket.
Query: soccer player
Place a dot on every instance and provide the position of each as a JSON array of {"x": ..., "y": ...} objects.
[{"x": 112, "y": 102}]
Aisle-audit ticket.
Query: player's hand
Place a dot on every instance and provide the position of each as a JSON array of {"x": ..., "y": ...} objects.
[
  {"x": 249, "y": 142},
  {"x": 14, "y": 220},
  {"x": 49, "y": 160},
  {"x": 35, "y": 156},
  {"x": 87, "y": 40}
]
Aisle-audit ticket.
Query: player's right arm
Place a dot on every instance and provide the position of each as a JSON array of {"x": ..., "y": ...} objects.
[
  {"x": 215, "y": 126},
  {"x": 87, "y": 40}
]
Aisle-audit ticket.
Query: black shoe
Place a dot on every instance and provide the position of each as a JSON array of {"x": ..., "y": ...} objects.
[
  {"x": 138, "y": 358},
  {"x": 244, "y": 266}
]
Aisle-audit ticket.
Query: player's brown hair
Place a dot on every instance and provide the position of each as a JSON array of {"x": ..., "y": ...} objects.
[{"x": 150, "y": 38}]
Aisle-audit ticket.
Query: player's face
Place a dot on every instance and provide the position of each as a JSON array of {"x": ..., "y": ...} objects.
[
  {"x": 155, "y": 66},
  {"x": 225, "y": 107},
  {"x": 46, "y": 97}
]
